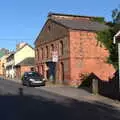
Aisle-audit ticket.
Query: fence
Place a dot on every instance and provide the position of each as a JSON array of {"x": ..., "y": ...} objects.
[
  {"x": 110, "y": 88},
  {"x": 106, "y": 88}
]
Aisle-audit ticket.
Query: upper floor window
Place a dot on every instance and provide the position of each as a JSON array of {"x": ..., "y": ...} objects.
[
  {"x": 38, "y": 54},
  {"x": 42, "y": 53},
  {"x": 61, "y": 51},
  {"x": 51, "y": 49},
  {"x": 49, "y": 28},
  {"x": 47, "y": 52}
]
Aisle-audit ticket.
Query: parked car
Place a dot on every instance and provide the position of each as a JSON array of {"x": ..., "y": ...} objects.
[{"x": 33, "y": 79}]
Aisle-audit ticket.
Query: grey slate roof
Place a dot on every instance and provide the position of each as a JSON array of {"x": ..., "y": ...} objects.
[
  {"x": 71, "y": 15},
  {"x": 81, "y": 24},
  {"x": 27, "y": 62}
]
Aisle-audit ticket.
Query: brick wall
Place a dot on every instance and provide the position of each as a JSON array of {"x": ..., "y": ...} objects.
[
  {"x": 87, "y": 56},
  {"x": 25, "y": 69},
  {"x": 50, "y": 32}
]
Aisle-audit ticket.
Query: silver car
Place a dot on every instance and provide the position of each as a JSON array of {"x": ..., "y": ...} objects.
[{"x": 33, "y": 79}]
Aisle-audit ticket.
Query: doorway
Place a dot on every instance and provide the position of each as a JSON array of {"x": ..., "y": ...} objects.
[
  {"x": 62, "y": 72},
  {"x": 51, "y": 72}
]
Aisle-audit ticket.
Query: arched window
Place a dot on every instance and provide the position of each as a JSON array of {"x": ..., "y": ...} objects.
[
  {"x": 47, "y": 52},
  {"x": 62, "y": 72},
  {"x": 37, "y": 54},
  {"x": 42, "y": 53},
  {"x": 61, "y": 48},
  {"x": 42, "y": 71},
  {"x": 51, "y": 49}
]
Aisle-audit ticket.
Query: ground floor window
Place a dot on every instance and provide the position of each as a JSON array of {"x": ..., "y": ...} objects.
[{"x": 62, "y": 72}]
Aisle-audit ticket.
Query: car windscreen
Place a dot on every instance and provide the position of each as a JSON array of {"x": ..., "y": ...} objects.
[{"x": 33, "y": 74}]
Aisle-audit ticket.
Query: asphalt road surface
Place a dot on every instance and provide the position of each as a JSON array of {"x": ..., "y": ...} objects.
[{"x": 24, "y": 103}]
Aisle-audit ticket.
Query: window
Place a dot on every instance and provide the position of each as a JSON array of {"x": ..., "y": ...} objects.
[
  {"x": 52, "y": 47},
  {"x": 3, "y": 65},
  {"x": 42, "y": 69},
  {"x": 37, "y": 54},
  {"x": 61, "y": 48},
  {"x": 47, "y": 52},
  {"x": 42, "y": 52},
  {"x": 49, "y": 28},
  {"x": 25, "y": 74},
  {"x": 33, "y": 74},
  {"x": 37, "y": 68},
  {"x": 62, "y": 72}
]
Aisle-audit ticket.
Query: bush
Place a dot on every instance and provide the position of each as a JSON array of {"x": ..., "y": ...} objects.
[{"x": 86, "y": 81}]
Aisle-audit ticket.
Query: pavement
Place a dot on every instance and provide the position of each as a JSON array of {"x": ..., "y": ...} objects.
[
  {"x": 19, "y": 102},
  {"x": 81, "y": 94}
]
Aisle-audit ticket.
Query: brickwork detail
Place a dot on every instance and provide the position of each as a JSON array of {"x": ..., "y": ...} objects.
[{"x": 87, "y": 56}]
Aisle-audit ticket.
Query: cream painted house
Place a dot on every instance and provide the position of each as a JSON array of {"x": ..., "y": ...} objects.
[
  {"x": 23, "y": 53},
  {"x": 9, "y": 66},
  {"x": 24, "y": 59}
]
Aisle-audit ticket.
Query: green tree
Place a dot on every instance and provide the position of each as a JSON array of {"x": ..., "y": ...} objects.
[
  {"x": 106, "y": 37},
  {"x": 116, "y": 15}
]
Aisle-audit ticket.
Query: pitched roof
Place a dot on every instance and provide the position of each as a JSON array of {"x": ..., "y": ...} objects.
[
  {"x": 24, "y": 46},
  {"x": 81, "y": 24},
  {"x": 27, "y": 62},
  {"x": 71, "y": 15},
  {"x": 65, "y": 20},
  {"x": 3, "y": 51},
  {"x": 10, "y": 54}
]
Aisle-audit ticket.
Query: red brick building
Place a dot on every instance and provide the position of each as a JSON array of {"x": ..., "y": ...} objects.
[{"x": 73, "y": 37}]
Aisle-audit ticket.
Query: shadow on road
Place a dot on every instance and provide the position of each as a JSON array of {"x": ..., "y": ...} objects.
[{"x": 30, "y": 107}]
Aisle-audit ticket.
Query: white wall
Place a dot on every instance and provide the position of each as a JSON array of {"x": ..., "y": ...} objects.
[{"x": 23, "y": 54}]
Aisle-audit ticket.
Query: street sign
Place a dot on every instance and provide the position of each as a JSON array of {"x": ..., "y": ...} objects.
[{"x": 55, "y": 56}]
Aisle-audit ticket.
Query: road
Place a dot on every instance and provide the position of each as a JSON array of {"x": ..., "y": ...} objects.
[{"x": 23, "y": 103}]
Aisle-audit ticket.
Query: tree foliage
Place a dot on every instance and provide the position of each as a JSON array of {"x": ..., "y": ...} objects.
[
  {"x": 98, "y": 19},
  {"x": 106, "y": 37},
  {"x": 116, "y": 15}
]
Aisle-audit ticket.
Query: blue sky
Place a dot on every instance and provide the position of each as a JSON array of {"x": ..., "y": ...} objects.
[{"x": 22, "y": 20}]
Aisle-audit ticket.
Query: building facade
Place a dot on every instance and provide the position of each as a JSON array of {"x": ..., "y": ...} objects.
[
  {"x": 24, "y": 59},
  {"x": 67, "y": 47},
  {"x": 2, "y": 64},
  {"x": 9, "y": 65}
]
